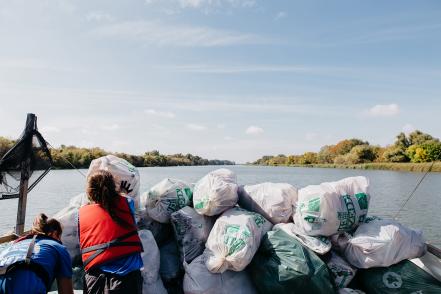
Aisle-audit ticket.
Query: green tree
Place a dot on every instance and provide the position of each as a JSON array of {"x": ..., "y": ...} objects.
[
  {"x": 363, "y": 153},
  {"x": 309, "y": 158},
  {"x": 394, "y": 154},
  {"x": 419, "y": 138},
  {"x": 402, "y": 141}
]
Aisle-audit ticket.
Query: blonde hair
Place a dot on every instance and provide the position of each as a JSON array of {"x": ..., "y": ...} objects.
[{"x": 44, "y": 225}]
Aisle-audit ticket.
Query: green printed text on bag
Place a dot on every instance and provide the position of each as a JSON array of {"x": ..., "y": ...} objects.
[
  {"x": 314, "y": 204},
  {"x": 235, "y": 238},
  {"x": 362, "y": 200},
  {"x": 347, "y": 218}
]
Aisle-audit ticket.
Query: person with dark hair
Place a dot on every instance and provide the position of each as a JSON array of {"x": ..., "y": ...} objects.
[
  {"x": 109, "y": 241},
  {"x": 32, "y": 262}
]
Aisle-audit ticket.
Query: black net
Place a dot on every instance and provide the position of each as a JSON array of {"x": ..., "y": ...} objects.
[{"x": 31, "y": 147}]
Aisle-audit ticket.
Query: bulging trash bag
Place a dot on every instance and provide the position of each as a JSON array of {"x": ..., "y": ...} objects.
[
  {"x": 234, "y": 240},
  {"x": 68, "y": 217},
  {"x": 122, "y": 171},
  {"x": 403, "y": 277},
  {"x": 152, "y": 284},
  {"x": 383, "y": 243},
  {"x": 166, "y": 197},
  {"x": 161, "y": 232},
  {"x": 333, "y": 207},
  {"x": 283, "y": 266},
  {"x": 170, "y": 268},
  {"x": 215, "y": 192},
  {"x": 199, "y": 280},
  {"x": 341, "y": 270},
  {"x": 275, "y": 201},
  {"x": 191, "y": 231},
  {"x": 318, "y": 244}
]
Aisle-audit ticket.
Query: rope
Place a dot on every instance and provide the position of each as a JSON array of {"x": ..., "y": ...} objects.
[
  {"x": 70, "y": 163},
  {"x": 413, "y": 191}
]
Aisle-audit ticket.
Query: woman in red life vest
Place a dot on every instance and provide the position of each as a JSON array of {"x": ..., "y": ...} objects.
[
  {"x": 31, "y": 263},
  {"x": 109, "y": 241}
]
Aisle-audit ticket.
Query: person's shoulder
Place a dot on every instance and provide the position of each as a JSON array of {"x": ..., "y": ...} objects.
[{"x": 53, "y": 243}]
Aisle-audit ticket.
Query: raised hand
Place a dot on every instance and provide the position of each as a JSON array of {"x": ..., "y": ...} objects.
[{"x": 125, "y": 187}]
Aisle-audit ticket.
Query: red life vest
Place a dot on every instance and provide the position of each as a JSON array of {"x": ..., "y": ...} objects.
[{"x": 102, "y": 239}]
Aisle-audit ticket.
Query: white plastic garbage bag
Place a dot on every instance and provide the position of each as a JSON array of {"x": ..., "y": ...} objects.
[
  {"x": 381, "y": 243},
  {"x": 215, "y": 192},
  {"x": 333, "y": 207},
  {"x": 191, "y": 231},
  {"x": 341, "y": 270},
  {"x": 122, "y": 171},
  {"x": 166, "y": 197},
  {"x": 68, "y": 217},
  {"x": 152, "y": 283},
  {"x": 318, "y": 244},
  {"x": 199, "y": 280},
  {"x": 234, "y": 240},
  {"x": 275, "y": 201}
]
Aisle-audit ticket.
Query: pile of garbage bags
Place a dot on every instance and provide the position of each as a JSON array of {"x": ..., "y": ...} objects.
[{"x": 219, "y": 237}]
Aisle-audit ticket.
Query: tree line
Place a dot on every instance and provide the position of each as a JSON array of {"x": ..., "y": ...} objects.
[
  {"x": 416, "y": 147},
  {"x": 82, "y": 157}
]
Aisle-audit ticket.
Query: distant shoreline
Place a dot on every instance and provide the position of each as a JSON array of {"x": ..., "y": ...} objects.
[{"x": 393, "y": 166}]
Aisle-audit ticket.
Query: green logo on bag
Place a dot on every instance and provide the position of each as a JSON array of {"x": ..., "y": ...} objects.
[
  {"x": 347, "y": 218},
  {"x": 259, "y": 220},
  {"x": 182, "y": 198},
  {"x": 200, "y": 204},
  {"x": 314, "y": 204},
  {"x": 189, "y": 193},
  {"x": 362, "y": 200},
  {"x": 235, "y": 238},
  {"x": 310, "y": 219}
]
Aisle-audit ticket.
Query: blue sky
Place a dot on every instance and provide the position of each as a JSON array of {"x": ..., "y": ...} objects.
[{"x": 229, "y": 79}]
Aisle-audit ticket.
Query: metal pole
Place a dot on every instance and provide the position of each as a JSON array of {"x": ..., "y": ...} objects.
[{"x": 25, "y": 171}]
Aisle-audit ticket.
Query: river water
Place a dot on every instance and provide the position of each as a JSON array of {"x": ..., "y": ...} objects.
[{"x": 388, "y": 189}]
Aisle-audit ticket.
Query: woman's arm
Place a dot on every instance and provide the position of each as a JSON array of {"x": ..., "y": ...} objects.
[{"x": 64, "y": 286}]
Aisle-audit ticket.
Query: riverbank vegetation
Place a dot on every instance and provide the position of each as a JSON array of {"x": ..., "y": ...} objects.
[
  {"x": 81, "y": 157},
  {"x": 407, "y": 153}
]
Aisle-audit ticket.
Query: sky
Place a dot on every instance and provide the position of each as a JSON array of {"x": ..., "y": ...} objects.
[{"x": 225, "y": 79}]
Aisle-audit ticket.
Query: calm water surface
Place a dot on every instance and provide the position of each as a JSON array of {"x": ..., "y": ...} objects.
[{"x": 388, "y": 189}]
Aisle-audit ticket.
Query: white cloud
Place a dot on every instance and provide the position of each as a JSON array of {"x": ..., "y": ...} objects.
[
  {"x": 254, "y": 130},
  {"x": 221, "y": 126},
  {"x": 49, "y": 129},
  {"x": 408, "y": 128},
  {"x": 228, "y": 138},
  {"x": 196, "y": 127},
  {"x": 206, "y": 5},
  {"x": 98, "y": 16},
  {"x": 158, "y": 33},
  {"x": 191, "y": 3},
  {"x": 280, "y": 15},
  {"x": 385, "y": 110},
  {"x": 32, "y": 64},
  {"x": 237, "y": 69},
  {"x": 112, "y": 127},
  {"x": 164, "y": 114}
]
